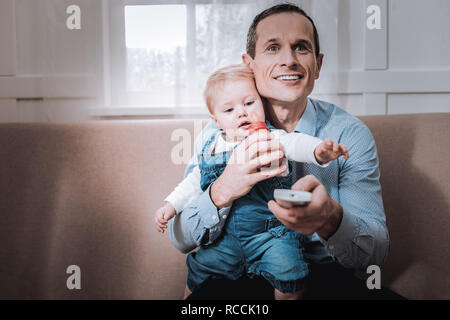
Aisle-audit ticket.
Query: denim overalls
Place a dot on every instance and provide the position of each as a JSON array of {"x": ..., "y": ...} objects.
[{"x": 253, "y": 241}]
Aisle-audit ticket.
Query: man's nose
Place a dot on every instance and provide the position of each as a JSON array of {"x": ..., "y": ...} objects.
[{"x": 288, "y": 57}]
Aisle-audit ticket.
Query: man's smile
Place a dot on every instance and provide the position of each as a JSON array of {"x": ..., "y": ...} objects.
[{"x": 290, "y": 79}]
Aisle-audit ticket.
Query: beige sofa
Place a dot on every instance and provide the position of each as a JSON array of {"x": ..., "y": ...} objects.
[{"x": 84, "y": 194}]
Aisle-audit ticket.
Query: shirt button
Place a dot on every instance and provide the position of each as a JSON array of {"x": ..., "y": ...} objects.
[
  {"x": 224, "y": 216},
  {"x": 331, "y": 247}
]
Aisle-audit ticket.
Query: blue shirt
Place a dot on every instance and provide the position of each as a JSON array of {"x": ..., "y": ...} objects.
[{"x": 362, "y": 237}]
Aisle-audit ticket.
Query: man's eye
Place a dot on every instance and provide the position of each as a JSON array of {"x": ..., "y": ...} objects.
[
  {"x": 300, "y": 48},
  {"x": 272, "y": 48},
  {"x": 249, "y": 103}
]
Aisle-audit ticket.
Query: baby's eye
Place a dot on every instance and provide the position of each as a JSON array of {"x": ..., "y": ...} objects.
[
  {"x": 249, "y": 103},
  {"x": 229, "y": 110}
]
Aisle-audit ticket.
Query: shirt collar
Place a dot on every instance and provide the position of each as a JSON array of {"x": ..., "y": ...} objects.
[{"x": 307, "y": 123}]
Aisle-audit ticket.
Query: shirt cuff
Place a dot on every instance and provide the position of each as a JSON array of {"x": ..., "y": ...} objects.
[
  {"x": 337, "y": 244},
  {"x": 211, "y": 218}
]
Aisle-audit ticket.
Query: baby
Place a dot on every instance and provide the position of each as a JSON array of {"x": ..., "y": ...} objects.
[{"x": 252, "y": 241}]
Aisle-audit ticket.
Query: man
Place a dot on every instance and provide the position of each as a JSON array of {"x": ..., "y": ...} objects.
[{"x": 345, "y": 216}]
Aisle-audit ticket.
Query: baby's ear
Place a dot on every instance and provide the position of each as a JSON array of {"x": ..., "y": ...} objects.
[{"x": 213, "y": 119}]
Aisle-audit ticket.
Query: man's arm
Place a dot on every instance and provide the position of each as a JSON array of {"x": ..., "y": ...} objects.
[
  {"x": 354, "y": 229},
  {"x": 202, "y": 221},
  {"x": 188, "y": 229},
  {"x": 362, "y": 238}
]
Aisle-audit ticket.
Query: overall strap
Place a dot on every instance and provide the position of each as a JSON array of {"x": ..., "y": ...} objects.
[{"x": 208, "y": 142}]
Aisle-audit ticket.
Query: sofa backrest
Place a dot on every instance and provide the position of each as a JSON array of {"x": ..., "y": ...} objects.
[
  {"x": 84, "y": 194},
  {"x": 414, "y": 152}
]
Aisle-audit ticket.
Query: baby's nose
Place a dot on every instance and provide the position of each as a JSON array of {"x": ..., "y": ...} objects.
[{"x": 242, "y": 112}]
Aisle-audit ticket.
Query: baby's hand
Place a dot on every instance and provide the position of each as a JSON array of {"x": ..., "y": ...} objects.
[
  {"x": 163, "y": 215},
  {"x": 330, "y": 150}
]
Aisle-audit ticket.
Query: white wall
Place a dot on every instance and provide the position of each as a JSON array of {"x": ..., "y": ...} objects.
[
  {"x": 50, "y": 73},
  {"x": 55, "y": 73},
  {"x": 403, "y": 68}
]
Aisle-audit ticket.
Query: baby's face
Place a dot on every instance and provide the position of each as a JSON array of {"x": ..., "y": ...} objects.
[{"x": 235, "y": 105}]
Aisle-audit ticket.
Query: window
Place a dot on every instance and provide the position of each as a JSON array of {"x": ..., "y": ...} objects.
[{"x": 162, "y": 52}]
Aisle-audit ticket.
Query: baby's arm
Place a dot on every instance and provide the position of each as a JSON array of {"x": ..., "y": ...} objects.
[
  {"x": 183, "y": 194},
  {"x": 301, "y": 147},
  {"x": 330, "y": 150},
  {"x": 186, "y": 191}
]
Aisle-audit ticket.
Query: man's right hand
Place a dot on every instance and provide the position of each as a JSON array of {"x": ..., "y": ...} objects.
[{"x": 243, "y": 169}]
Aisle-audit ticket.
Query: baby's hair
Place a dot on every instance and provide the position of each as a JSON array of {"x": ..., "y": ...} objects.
[{"x": 220, "y": 77}]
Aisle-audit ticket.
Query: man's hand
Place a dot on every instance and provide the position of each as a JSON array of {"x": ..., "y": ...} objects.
[
  {"x": 322, "y": 215},
  {"x": 243, "y": 169}
]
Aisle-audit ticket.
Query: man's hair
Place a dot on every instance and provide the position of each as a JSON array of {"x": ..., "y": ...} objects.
[
  {"x": 220, "y": 77},
  {"x": 252, "y": 37}
]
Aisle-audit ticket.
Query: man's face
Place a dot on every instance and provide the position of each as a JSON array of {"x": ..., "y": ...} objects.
[{"x": 285, "y": 65}]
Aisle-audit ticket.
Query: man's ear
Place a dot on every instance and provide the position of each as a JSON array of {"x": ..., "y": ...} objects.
[
  {"x": 319, "y": 61},
  {"x": 247, "y": 60}
]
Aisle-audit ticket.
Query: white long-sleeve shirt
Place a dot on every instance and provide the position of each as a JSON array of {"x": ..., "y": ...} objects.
[{"x": 297, "y": 147}]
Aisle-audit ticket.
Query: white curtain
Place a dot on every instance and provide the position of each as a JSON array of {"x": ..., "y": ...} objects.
[{"x": 216, "y": 36}]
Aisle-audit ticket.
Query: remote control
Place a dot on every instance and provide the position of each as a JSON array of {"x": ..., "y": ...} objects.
[{"x": 288, "y": 198}]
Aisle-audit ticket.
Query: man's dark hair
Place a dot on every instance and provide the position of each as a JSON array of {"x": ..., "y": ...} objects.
[{"x": 285, "y": 7}]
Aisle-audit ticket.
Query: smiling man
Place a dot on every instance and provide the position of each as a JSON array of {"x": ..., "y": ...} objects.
[{"x": 345, "y": 218}]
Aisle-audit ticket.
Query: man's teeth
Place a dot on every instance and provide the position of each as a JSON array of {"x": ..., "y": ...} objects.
[{"x": 293, "y": 77}]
